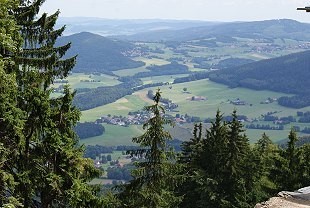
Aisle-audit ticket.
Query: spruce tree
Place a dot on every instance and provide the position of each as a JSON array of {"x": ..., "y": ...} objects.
[
  {"x": 236, "y": 153},
  {"x": 46, "y": 167},
  {"x": 153, "y": 179},
  {"x": 11, "y": 121},
  {"x": 212, "y": 163},
  {"x": 293, "y": 158},
  {"x": 259, "y": 161},
  {"x": 188, "y": 160}
]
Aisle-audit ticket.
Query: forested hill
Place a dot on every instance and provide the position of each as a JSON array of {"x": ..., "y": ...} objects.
[
  {"x": 97, "y": 53},
  {"x": 283, "y": 28},
  {"x": 288, "y": 74}
]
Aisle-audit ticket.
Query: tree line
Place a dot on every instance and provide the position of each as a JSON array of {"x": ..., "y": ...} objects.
[{"x": 103, "y": 95}]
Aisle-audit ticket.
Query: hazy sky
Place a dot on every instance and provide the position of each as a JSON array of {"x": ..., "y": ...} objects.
[{"x": 210, "y": 10}]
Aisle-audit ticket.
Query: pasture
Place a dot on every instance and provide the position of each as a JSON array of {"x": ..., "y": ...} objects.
[
  {"x": 218, "y": 97},
  {"x": 80, "y": 80}
]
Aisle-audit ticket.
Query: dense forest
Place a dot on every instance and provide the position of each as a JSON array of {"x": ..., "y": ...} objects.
[{"x": 42, "y": 163}]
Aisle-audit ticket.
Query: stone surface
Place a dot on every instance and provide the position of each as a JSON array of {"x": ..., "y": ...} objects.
[{"x": 286, "y": 199}]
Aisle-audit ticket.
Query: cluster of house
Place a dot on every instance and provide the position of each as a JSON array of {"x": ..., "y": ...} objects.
[
  {"x": 170, "y": 106},
  {"x": 197, "y": 98},
  {"x": 132, "y": 119},
  {"x": 135, "y": 52},
  {"x": 237, "y": 102},
  {"x": 269, "y": 100}
]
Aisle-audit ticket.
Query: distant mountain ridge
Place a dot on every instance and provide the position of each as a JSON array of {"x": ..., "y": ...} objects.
[
  {"x": 99, "y": 54},
  {"x": 113, "y": 27},
  {"x": 283, "y": 28}
]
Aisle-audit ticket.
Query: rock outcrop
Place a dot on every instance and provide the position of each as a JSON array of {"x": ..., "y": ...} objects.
[{"x": 286, "y": 199}]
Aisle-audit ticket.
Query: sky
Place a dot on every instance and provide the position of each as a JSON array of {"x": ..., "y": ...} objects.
[{"x": 208, "y": 10}]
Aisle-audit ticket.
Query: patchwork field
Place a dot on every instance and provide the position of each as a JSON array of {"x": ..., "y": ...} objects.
[{"x": 218, "y": 97}]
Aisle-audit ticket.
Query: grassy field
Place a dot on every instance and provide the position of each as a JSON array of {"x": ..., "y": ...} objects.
[
  {"x": 217, "y": 98},
  {"x": 121, "y": 107},
  {"x": 78, "y": 80},
  {"x": 165, "y": 78},
  {"x": 115, "y": 135}
]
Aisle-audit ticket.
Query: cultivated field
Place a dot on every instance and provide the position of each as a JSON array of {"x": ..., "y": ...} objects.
[{"x": 217, "y": 95}]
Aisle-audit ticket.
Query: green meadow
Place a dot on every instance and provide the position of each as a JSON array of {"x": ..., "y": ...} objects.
[
  {"x": 217, "y": 97},
  {"x": 115, "y": 135},
  {"x": 81, "y": 80}
]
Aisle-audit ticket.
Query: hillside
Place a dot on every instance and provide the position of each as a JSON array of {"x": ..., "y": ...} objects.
[
  {"x": 287, "y": 74},
  {"x": 284, "y": 28},
  {"x": 106, "y": 54}
]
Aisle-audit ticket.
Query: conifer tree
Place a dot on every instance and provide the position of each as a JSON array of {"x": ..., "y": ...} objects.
[
  {"x": 212, "y": 163},
  {"x": 292, "y": 156},
  {"x": 236, "y": 153},
  {"x": 154, "y": 179},
  {"x": 188, "y": 159},
  {"x": 11, "y": 121},
  {"x": 258, "y": 163},
  {"x": 305, "y": 165},
  {"x": 46, "y": 167}
]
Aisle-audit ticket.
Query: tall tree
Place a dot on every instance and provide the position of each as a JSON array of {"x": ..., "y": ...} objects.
[
  {"x": 188, "y": 159},
  {"x": 46, "y": 164},
  {"x": 11, "y": 121},
  {"x": 153, "y": 179},
  {"x": 292, "y": 155},
  {"x": 212, "y": 162},
  {"x": 237, "y": 149}
]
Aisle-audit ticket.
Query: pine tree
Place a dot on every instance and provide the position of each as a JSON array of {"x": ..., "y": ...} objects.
[
  {"x": 293, "y": 157},
  {"x": 305, "y": 165},
  {"x": 46, "y": 164},
  {"x": 212, "y": 163},
  {"x": 188, "y": 159},
  {"x": 153, "y": 179},
  {"x": 11, "y": 121},
  {"x": 237, "y": 149},
  {"x": 260, "y": 161}
]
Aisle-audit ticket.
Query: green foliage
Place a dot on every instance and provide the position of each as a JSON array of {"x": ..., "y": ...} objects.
[
  {"x": 224, "y": 171},
  {"x": 88, "y": 129},
  {"x": 41, "y": 162},
  {"x": 153, "y": 179},
  {"x": 104, "y": 95},
  {"x": 288, "y": 172}
]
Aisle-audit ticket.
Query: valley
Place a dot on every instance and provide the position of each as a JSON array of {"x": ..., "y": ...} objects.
[{"x": 140, "y": 59}]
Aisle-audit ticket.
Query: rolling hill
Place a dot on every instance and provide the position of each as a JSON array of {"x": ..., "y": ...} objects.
[
  {"x": 98, "y": 54},
  {"x": 287, "y": 74},
  {"x": 283, "y": 28}
]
